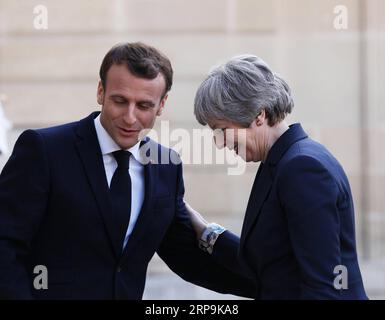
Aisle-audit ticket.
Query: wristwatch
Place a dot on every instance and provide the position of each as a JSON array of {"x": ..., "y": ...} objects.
[{"x": 209, "y": 236}]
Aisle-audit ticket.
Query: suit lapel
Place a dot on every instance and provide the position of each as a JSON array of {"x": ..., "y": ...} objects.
[
  {"x": 261, "y": 187},
  {"x": 265, "y": 177},
  {"x": 89, "y": 152}
]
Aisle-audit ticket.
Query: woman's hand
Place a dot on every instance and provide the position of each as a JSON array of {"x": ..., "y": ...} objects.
[{"x": 198, "y": 222}]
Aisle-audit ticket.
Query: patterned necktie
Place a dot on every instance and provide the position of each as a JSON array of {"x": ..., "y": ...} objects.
[{"x": 120, "y": 192}]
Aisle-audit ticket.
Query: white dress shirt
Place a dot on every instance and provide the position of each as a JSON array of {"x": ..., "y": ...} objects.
[{"x": 136, "y": 170}]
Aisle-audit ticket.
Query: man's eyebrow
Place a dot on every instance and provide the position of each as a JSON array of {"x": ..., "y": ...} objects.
[
  {"x": 146, "y": 102},
  {"x": 119, "y": 96},
  {"x": 115, "y": 95}
]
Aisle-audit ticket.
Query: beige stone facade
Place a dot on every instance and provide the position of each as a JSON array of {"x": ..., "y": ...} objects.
[{"x": 337, "y": 76}]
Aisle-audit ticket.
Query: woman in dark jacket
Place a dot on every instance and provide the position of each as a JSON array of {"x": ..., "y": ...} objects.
[{"x": 298, "y": 236}]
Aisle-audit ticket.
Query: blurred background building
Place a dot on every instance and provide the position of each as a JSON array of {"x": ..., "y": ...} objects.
[{"x": 331, "y": 52}]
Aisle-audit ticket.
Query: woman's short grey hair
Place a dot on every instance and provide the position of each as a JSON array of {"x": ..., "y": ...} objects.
[{"x": 239, "y": 90}]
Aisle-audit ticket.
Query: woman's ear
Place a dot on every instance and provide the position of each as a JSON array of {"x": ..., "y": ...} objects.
[{"x": 261, "y": 118}]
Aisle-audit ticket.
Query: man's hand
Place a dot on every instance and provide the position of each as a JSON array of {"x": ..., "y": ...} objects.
[{"x": 198, "y": 222}]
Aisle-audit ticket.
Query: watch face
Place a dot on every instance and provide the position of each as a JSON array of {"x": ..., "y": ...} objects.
[
  {"x": 216, "y": 228},
  {"x": 209, "y": 236}
]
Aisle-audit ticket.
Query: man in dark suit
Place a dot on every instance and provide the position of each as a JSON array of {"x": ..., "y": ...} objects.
[{"x": 79, "y": 200}]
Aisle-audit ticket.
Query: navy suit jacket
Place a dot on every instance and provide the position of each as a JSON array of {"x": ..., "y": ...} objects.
[
  {"x": 299, "y": 225},
  {"x": 55, "y": 211}
]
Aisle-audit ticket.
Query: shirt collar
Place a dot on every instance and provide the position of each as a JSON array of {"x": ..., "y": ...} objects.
[{"x": 108, "y": 145}]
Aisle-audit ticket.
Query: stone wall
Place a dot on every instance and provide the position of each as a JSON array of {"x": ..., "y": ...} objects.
[{"x": 50, "y": 77}]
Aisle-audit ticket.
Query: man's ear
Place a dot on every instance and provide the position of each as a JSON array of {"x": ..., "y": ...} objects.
[
  {"x": 100, "y": 93},
  {"x": 162, "y": 104}
]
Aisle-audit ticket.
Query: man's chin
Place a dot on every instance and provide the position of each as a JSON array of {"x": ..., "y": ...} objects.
[{"x": 127, "y": 143}]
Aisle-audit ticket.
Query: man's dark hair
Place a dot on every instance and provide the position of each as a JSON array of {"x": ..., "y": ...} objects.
[{"x": 141, "y": 60}]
